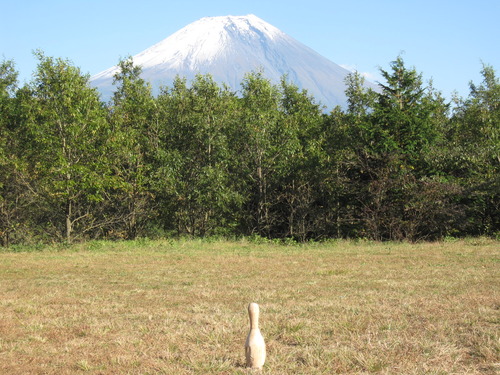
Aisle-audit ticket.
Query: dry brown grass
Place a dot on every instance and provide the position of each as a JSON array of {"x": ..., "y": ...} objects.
[{"x": 180, "y": 308}]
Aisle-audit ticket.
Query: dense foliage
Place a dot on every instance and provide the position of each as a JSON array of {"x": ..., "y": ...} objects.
[{"x": 200, "y": 160}]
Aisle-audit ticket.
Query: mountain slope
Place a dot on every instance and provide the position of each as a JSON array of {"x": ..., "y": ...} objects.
[{"x": 228, "y": 48}]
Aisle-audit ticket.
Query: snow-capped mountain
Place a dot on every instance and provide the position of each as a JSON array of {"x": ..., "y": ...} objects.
[{"x": 229, "y": 47}]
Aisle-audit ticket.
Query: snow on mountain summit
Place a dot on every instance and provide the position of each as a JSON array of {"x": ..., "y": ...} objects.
[
  {"x": 202, "y": 41},
  {"x": 228, "y": 47}
]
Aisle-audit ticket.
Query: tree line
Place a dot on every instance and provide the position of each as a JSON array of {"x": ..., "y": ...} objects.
[{"x": 198, "y": 159}]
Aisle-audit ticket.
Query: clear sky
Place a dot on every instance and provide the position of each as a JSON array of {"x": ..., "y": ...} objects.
[{"x": 445, "y": 40}]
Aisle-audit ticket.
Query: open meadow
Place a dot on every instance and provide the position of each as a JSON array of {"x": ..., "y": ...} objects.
[{"x": 179, "y": 307}]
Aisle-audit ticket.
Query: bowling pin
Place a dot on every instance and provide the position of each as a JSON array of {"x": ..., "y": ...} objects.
[{"x": 255, "y": 347}]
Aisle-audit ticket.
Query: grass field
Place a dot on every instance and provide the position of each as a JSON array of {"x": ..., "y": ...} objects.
[{"x": 179, "y": 307}]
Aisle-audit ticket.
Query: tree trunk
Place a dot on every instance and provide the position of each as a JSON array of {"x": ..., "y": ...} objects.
[{"x": 69, "y": 224}]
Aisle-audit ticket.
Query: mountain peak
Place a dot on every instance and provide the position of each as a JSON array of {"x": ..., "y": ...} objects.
[
  {"x": 228, "y": 47},
  {"x": 249, "y": 23},
  {"x": 243, "y": 23},
  {"x": 201, "y": 42}
]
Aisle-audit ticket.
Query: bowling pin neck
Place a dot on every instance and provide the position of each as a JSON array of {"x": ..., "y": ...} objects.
[{"x": 253, "y": 312}]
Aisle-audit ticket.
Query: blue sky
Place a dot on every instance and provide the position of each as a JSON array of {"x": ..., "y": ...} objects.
[{"x": 445, "y": 40}]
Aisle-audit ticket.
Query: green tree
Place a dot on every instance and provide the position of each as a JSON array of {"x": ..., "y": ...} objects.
[
  {"x": 258, "y": 139},
  {"x": 360, "y": 99},
  {"x": 392, "y": 142},
  {"x": 65, "y": 131},
  {"x": 12, "y": 198},
  {"x": 194, "y": 159},
  {"x": 477, "y": 122},
  {"x": 473, "y": 153},
  {"x": 299, "y": 163},
  {"x": 405, "y": 112},
  {"x": 133, "y": 120}
]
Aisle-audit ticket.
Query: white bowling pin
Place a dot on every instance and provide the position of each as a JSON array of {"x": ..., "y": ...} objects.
[{"x": 255, "y": 347}]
